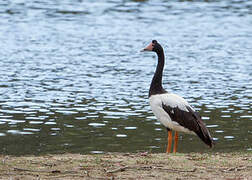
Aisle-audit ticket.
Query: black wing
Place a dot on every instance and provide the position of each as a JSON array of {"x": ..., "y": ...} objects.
[{"x": 191, "y": 120}]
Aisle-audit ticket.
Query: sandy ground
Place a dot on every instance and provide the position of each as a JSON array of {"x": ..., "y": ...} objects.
[{"x": 228, "y": 166}]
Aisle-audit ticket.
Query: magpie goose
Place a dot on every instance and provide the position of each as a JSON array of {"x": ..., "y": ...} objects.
[{"x": 173, "y": 111}]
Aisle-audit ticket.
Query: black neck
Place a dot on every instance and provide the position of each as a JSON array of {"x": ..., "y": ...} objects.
[{"x": 156, "y": 84}]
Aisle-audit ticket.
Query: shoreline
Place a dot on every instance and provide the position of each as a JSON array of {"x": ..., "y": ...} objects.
[{"x": 235, "y": 165}]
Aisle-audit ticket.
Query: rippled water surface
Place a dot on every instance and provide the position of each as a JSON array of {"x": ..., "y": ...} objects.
[{"x": 73, "y": 80}]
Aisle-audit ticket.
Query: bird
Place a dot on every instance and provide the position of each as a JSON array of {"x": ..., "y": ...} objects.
[{"x": 172, "y": 110}]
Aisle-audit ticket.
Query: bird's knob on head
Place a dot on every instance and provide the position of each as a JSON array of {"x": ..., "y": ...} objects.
[{"x": 150, "y": 46}]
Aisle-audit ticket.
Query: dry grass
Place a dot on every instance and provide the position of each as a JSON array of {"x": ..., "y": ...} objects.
[{"x": 128, "y": 166}]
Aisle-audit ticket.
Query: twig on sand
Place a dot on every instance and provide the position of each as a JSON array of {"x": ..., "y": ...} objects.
[
  {"x": 118, "y": 170},
  {"x": 67, "y": 175},
  {"x": 234, "y": 169},
  {"x": 148, "y": 168},
  {"x": 30, "y": 170},
  {"x": 45, "y": 171},
  {"x": 176, "y": 170}
]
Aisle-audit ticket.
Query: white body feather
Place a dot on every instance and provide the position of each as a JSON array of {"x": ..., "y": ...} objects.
[{"x": 172, "y": 100}]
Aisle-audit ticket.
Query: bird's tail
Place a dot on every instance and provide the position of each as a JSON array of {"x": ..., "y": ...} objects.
[
  {"x": 204, "y": 135},
  {"x": 202, "y": 130}
]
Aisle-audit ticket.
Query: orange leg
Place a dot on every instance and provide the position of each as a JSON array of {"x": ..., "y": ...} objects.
[
  {"x": 175, "y": 142},
  {"x": 168, "y": 149}
]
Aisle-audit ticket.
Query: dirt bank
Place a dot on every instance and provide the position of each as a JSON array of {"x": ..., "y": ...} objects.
[{"x": 128, "y": 166}]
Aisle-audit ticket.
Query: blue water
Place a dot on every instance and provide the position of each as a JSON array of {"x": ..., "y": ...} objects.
[{"x": 73, "y": 79}]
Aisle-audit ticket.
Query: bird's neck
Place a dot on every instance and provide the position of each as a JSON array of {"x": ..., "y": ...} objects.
[{"x": 156, "y": 84}]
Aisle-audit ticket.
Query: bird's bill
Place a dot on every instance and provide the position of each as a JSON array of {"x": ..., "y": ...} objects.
[{"x": 148, "y": 48}]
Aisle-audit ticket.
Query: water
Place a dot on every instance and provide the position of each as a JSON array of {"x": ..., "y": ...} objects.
[{"x": 73, "y": 80}]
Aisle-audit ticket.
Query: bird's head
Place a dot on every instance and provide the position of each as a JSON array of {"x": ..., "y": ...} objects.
[{"x": 153, "y": 46}]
